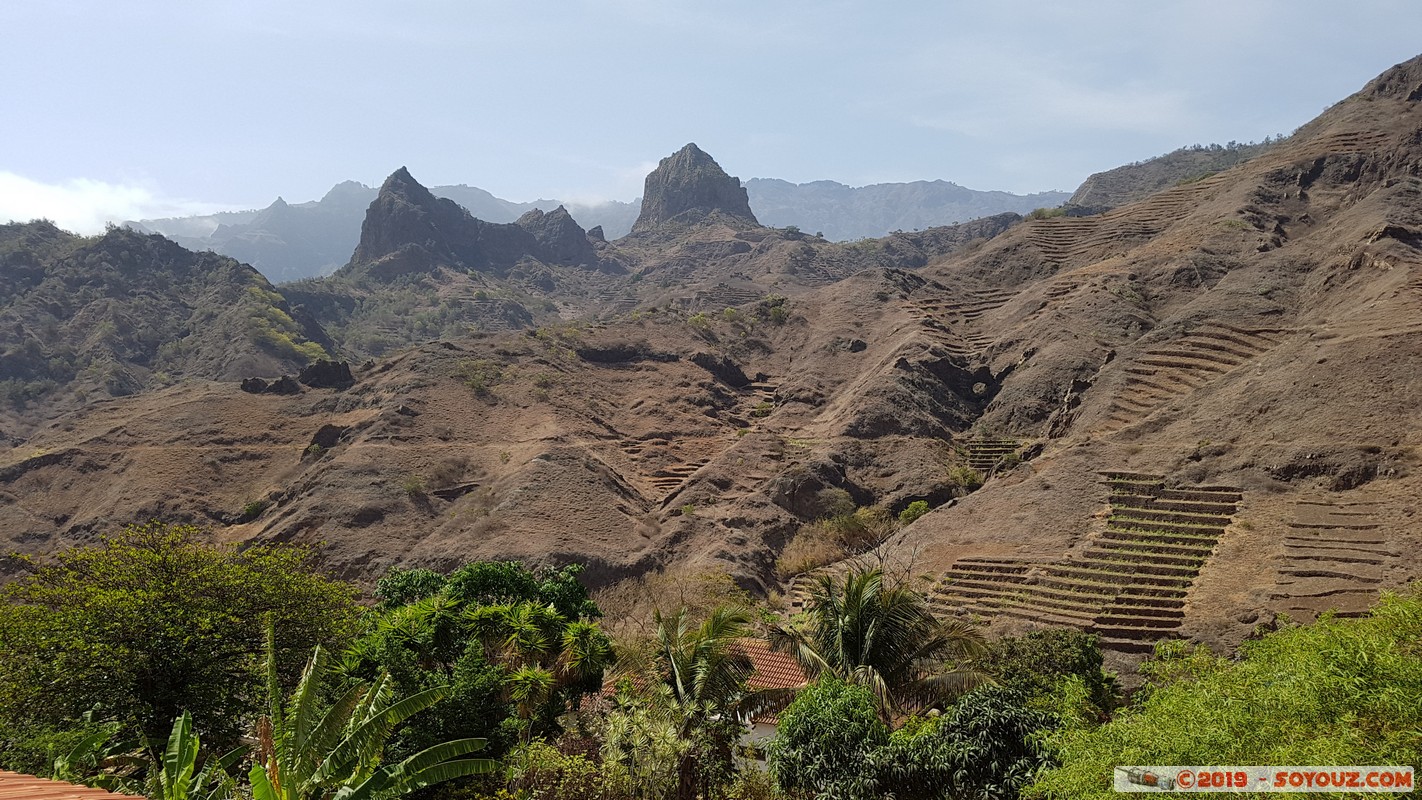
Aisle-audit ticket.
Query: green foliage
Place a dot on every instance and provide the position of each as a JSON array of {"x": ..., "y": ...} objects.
[
  {"x": 884, "y": 638},
  {"x": 826, "y": 740},
  {"x": 914, "y": 510},
  {"x": 153, "y": 622},
  {"x": 401, "y": 587},
  {"x": 480, "y": 374},
  {"x": 1340, "y": 691},
  {"x": 988, "y": 744},
  {"x": 699, "y": 320},
  {"x": 253, "y": 509},
  {"x": 497, "y": 634},
  {"x": 413, "y": 485},
  {"x": 176, "y": 776},
  {"x": 643, "y": 747},
  {"x": 275, "y": 330},
  {"x": 1037, "y": 664},
  {"x": 700, "y": 677},
  {"x": 85, "y": 751},
  {"x": 773, "y": 309},
  {"x": 539, "y": 771},
  {"x": 965, "y": 477},
  {"x": 730, "y": 315},
  {"x": 834, "y": 503},
  {"x": 1047, "y": 213},
  {"x": 763, "y": 409},
  {"x": 491, "y": 583},
  {"x": 310, "y": 749}
]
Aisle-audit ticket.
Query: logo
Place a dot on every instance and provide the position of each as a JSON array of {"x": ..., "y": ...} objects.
[{"x": 1264, "y": 779}]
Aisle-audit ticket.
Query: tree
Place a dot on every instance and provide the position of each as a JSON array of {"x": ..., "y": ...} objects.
[
  {"x": 704, "y": 674},
  {"x": 986, "y": 745},
  {"x": 491, "y": 583},
  {"x": 154, "y": 622},
  {"x": 884, "y": 638},
  {"x": 307, "y": 752},
  {"x": 493, "y": 632},
  {"x": 1039, "y": 662},
  {"x": 826, "y": 740},
  {"x": 1339, "y": 691}
]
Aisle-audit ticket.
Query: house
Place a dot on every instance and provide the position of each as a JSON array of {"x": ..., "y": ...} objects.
[{"x": 769, "y": 670}]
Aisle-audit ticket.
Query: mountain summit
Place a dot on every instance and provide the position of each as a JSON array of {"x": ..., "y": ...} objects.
[{"x": 690, "y": 182}]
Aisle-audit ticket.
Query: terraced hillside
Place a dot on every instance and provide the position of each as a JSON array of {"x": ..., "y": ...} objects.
[
  {"x": 1129, "y": 584},
  {"x": 1253, "y": 337},
  {"x": 1335, "y": 555},
  {"x": 1162, "y": 375}
]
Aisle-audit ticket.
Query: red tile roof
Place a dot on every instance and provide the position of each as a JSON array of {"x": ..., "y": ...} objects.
[
  {"x": 18, "y": 786},
  {"x": 770, "y": 669}
]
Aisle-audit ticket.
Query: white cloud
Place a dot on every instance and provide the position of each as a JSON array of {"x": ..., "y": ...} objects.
[{"x": 83, "y": 205}]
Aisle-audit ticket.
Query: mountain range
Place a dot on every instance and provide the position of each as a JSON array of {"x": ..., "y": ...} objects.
[
  {"x": 303, "y": 240},
  {"x": 1178, "y": 417}
]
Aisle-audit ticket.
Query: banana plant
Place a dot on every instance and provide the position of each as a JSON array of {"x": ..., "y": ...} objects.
[
  {"x": 306, "y": 753},
  {"x": 86, "y": 755},
  {"x": 177, "y": 777}
]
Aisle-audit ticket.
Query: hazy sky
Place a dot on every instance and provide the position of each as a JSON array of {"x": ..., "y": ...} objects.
[{"x": 129, "y": 109}]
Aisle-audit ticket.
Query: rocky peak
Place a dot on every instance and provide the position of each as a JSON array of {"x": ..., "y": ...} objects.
[
  {"x": 408, "y": 230},
  {"x": 563, "y": 240},
  {"x": 405, "y": 216},
  {"x": 689, "y": 180}
]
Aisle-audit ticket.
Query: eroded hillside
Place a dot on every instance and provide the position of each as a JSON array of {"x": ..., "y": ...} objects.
[{"x": 1209, "y": 398}]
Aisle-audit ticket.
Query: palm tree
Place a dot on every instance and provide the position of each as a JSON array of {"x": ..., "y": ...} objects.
[
  {"x": 543, "y": 652},
  {"x": 305, "y": 754},
  {"x": 700, "y": 664},
  {"x": 704, "y": 672},
  {"x": 884, "y": 638}
]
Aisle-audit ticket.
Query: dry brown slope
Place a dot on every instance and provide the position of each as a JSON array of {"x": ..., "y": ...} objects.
[
  {"x": 1224, "y": 333},
  {"x": 1256, "y": 330}
]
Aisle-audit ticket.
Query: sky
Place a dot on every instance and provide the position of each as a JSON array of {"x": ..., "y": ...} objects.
[{"x": 117, "y": 111}]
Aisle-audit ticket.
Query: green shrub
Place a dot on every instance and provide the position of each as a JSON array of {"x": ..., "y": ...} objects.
[
  {"x": 988, "y": 744},
  {"x": 1037, "y": 663},
  {"x": 1047, "y": 213},
  {"x": 826, "y": 740},
  {"x": 413, "y": 486},
  {"x": 762, "y": 409},
  {"x": 915, "y": 510},
  {"x": 480, "y": 374},
  {"x": 965, "y": 477},
  {"x": 156, "y": 621},
  {"x": 699, "y": 320},
  {"x": 253, "y": 509},
  {"x": 1339, "y": 691}
]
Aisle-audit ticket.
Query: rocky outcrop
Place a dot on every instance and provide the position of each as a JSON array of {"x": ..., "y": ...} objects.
[
  {"x": 563, "y": 241},
  {"x": 1403, "y": 81},
  {"x": 409, "y": 230},
  {"x": 325, "y": 374},
  {"x": 283, "y": 385},
  {"x": 689, "y": 182}
]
